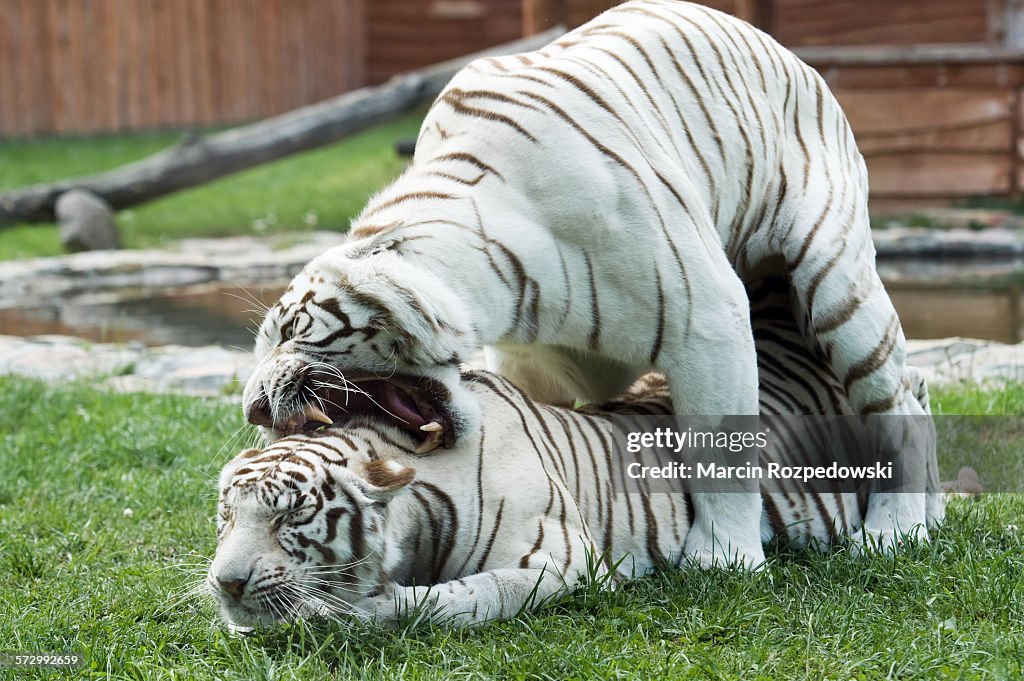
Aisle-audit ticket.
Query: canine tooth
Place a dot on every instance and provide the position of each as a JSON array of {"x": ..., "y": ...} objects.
[
  {"x": 292, "y": 424},
  {"x": 432, "y": 427},
  {"x": 315, "y": 414},
  {"x": 239, "y": 629},
  {"x": 429, "y": 444}
]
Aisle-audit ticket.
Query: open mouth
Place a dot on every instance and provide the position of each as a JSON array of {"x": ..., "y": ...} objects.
[{"x": 417, "y": 405}]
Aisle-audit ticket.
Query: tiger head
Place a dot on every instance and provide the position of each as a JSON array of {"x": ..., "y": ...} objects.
[
  {"x": 300, "y": 528},
  {"x": 362, "y": 331}
]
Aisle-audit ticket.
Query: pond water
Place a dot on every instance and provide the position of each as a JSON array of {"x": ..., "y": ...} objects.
[
  {"x": 969, "y": 298},
  {"x": 197, "y": 315},
  {"x": 934, "y": 299}
]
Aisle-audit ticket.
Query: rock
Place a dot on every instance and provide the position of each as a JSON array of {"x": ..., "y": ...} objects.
[
  {"x": 967, "y": 360},
  {"x": 208, "y": 371},
  {"x": 218, "y": 372},
  {"x": 933, "y": 243},
  {"x": 86, "y": 222},
  {"x": 271, "y": 261}
]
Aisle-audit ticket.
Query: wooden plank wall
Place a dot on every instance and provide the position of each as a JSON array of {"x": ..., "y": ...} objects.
[
  {"x": 86, "y": 66},
  {"x": 936, "y": 141},
  {"x": 408, "y": 34},
  {"x": 930, "y": 129},
  {"x": 581, "y": 11},
  {"x": 799, "y": 23}
]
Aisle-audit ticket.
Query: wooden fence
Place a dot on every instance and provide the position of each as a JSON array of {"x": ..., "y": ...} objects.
[
  {"x": 96, "y": 65},
  {"x": 934, "y": 89},
  {"x": 408, "y": 34}
]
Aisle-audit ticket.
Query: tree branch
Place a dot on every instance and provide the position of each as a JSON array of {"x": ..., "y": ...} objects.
[{"x": 200, "y": 159}]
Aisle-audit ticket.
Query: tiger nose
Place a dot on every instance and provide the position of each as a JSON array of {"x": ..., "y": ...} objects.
[
  {"x": 257, "y": 412},
  {"x": 234, "y": 587}
]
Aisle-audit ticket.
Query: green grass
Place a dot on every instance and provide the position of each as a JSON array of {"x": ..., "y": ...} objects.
[
  {"x": 79, "y": 574},
  {"x": 323, "y": 188}
]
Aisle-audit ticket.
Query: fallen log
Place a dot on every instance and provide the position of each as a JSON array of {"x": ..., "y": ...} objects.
[{"x": 196, "y": 159}]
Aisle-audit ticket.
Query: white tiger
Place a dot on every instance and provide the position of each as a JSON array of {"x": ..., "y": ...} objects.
[
  {"x": 349, "y": 520},
  {"x": 591, "y": 211}
]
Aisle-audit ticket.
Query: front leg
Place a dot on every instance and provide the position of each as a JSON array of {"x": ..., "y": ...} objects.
[
  {"x": 711, "y": 368},
  {"x": 470, "y": 601}
]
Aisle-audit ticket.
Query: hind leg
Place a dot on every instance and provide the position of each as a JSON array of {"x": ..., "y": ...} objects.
[
  {"x": 935, "y": 498},
  {"x": 847, "y": 312}
]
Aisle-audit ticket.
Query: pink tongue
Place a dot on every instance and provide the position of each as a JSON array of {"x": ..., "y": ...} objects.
[{"x": 401, "y": 405}]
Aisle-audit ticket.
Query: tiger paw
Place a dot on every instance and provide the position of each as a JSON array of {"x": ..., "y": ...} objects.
[
  {"x": 885, "y": 541},
  {"x": 707, "y": 552},
  {"x": 381, "y": 610},
  {"x": 395, "y": 605}
]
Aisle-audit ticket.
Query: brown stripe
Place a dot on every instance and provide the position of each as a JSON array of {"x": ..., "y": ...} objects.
[
  {"x": 455, "y": 178},
  {"x": 490, "y": 541},
  {"x": 819, "y": 276},
  {"x": 496, "y": 63},
  {"x": 659, "y": 335},
  {"x": 833, "y": 537},
  {"x": 454, "y": 98},
  {"x": 878, "y": 357},
  {"x": 479, "y": 501},
  {"x": 800, "y": 135},
  {"x": 447, "y": 533},
  {"x": 410, "y": 196},
  {"x": 524, "y": 562},
  {"x": 806, "y": 245},
  {"x": 584, "y": 88},
  {"x": 466, "y": 157},
  {"x": 593, "y": 339},
  {"x": 779, "y": 528},
  {"x": 879, "y": 406},
  {"x": 846, "y": 311}
]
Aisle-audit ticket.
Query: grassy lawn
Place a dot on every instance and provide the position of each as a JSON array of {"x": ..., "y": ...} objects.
[
  {"x": 323, "y": 188},
  {"x": 82, "y": 573}
]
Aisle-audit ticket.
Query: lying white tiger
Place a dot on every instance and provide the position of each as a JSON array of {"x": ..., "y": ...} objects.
[
  {"x": 591, "y": 211},
  {"x": 338, "y": 521}
]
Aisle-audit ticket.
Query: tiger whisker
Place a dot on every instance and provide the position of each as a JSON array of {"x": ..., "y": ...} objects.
[
  {"x": 332, "y": 603},
  {"x": 358, "y": 391},
  {"x": 228, "y": 447},
  {"x": 329, "y": 569},
  {"x": 394, "y": 369},
  {"x": 267, "y": 603},
  {"x": 314, "y": 583},
  {"x": 249, "y": 297},
  {"x": 318, "y": 604},
  {"x": 195, "y": 589}
]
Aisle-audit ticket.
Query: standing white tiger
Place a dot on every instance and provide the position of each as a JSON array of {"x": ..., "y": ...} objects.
[{"x": 590, "y": 211}]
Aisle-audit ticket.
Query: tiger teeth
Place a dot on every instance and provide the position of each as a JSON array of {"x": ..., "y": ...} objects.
[
  {"x": 432, "y": 427},
  {"x": 429, "y": 444},
  {"x": 315, "y": 414},
  {"x": 239, "y": 629}
]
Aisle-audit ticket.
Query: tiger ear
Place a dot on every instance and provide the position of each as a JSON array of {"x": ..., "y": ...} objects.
[
  {"x": 388, "y": 238},
  {"x": 386, "y": 478}
]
